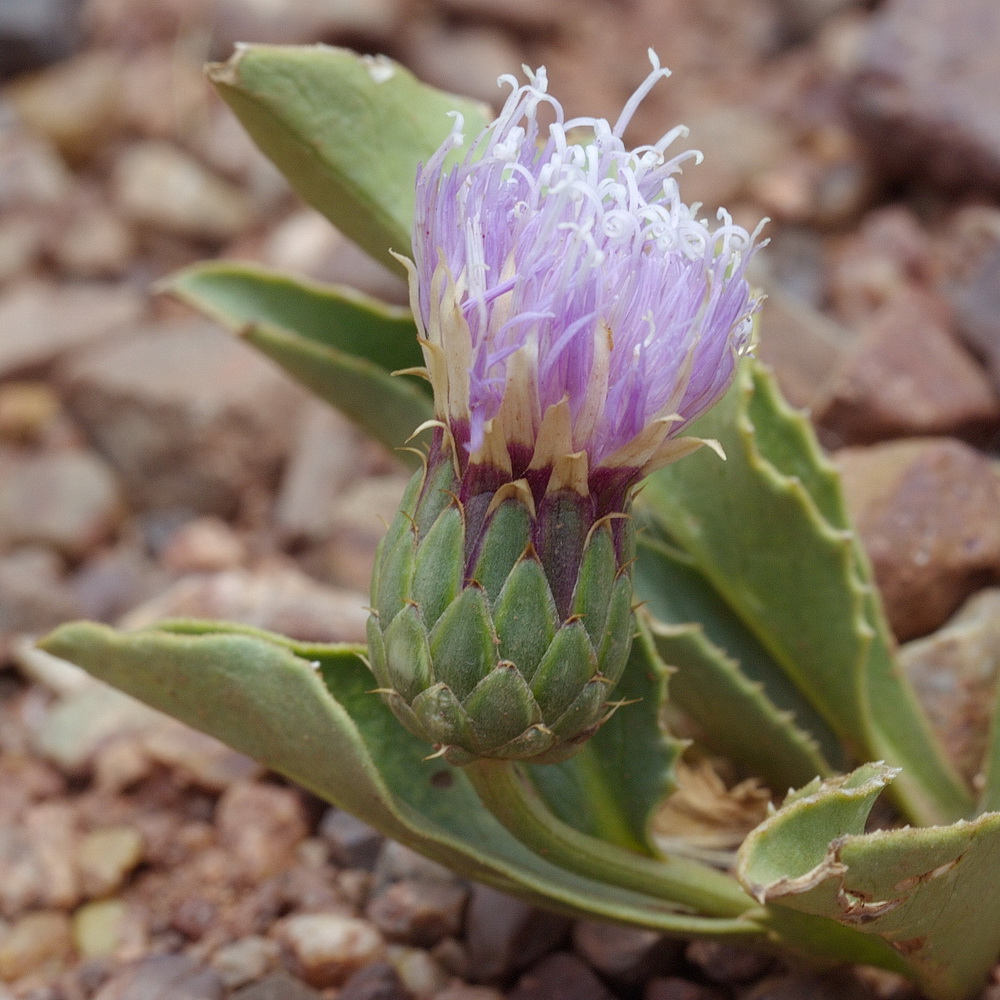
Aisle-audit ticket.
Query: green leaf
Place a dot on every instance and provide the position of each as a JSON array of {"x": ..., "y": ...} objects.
[
  {"x": 346, "y": 130},
  {"x": 308, "y": 712},
  {"x": 240, "y": 295},
  {"x": 726, "y": 681},
  {"x": 768, "y": 529},
  {"x": 613, "y": 787},
  {"x": 736, "y": 717},
  {"x": 927, "y": 892},
  {"x": 339, "y": 343}
]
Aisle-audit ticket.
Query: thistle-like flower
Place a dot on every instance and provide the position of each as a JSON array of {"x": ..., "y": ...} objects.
[{"x": 575, "y": 316}]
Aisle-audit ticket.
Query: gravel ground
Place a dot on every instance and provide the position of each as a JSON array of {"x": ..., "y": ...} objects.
[{"x": 150, "y": 465}]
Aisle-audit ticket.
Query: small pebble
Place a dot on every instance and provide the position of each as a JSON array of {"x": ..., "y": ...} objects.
[
  {"x": 245, "y": 960},
  {"x": 99, "y": 927},
  {"x": 355, "y": 844},
  {"x": 418, "y": 912},
  {"x": 327, "y": 948},
  {"x": 727, "y": 963},
  {"x": 106, "y": 857},
  {"x": 38, "y": 939},
  {"x": 279, "y": 986},
  {"x": 418, "y": 971},
  {"x": 378, "y": 981}
]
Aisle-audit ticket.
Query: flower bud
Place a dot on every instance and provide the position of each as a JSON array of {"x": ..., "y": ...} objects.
[{"x": 574, "y": 318}]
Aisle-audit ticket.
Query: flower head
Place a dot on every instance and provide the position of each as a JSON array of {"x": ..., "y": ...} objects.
[{"x": 575, "y": 315}]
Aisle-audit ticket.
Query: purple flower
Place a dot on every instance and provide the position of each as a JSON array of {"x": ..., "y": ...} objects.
[{"x": 574, "y": 313}]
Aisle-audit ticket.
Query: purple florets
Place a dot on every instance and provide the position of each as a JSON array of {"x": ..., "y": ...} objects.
[{"x": 583, "y": 260}]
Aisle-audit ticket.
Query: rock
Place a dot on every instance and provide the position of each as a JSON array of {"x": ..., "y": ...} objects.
[
  {"x": 308, "y": 244},
  {"x": 422, "y": 976},
  {"x": 519, "y": 15},
  {"x": 461, "y": 991},
  {"x": 76, "y": 104},
  {"x": 722, "y": 962},
  {"x": 398, "y": 863},
  {"x": 35, "y": 34},
  {"x": 954, "y": 672},
  {"x": 355, "y": 844},
  {"x": 559, "y": 977},
  {"x": 100, "y": 927},
  {"x": 377, "y": 981},
  {"x": 673, "y": 988},
  {"x": 157, "y": 185},
  {"x": 802, "y": 18},
  {"x": 65, "y": 499},
  {"x": 888, "y": 254},
  {"x": 326, "y": 948},
  {"x": 907, "y": 376},
  {"x": 188, "y": 416},
  {"x": 36, "y": 860},
  {"x": 202, "y": 545},
  {"x": 323, "y": 461},
  {"x": 279, "y": 986},
  {"x": 927, "y": 97},
  {"x": 33, "y": 595},
  {"x": 245, "y": 960},
  {"x": 305, "y": 21},
  {"x": 794, "y": 985},
  {"x": 106, "y": 857},
  {"x": 504, "y": 935},
  {"x": 361, "y": 514},
  {"x": 417, "y": 912},
  {"x": 740, "y": 145},
  {"x": 82, "y": 721},
  {"x": 276, "y": 598},
  {"x": 113, "y": 581},
  {"x": 926, "y": 512},
  {"x": 96, "y": 243},
  {"x": 625, "y": 955},
  {"x": 261, "y": 824},
  {"x": 163, "y": 977},
  {"x": 977, "y": 306},
  {"x": 27, "y": 411},
  {"x": 40, "y": 939},
  {"x": 43, "y": 322},
  {"x": 197, "y": 758},
  {"x": 463, "y": 60},
  {"x": 22, "y": 242},
  {"x": 802, "y": 346},
  {"x": 33, "y": 173}
]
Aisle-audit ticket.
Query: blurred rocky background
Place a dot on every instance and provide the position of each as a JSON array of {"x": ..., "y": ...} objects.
[{"x": 152, "y": 465}]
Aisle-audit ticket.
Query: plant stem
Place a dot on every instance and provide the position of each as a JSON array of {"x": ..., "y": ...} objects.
[{"x": 515, "y": 803}]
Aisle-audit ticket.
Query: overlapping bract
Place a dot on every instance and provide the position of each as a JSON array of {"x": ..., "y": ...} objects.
[{"x": 574, "y": 316}]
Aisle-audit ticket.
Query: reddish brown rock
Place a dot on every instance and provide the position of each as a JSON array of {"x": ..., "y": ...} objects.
[
  {"x": 261, "y": 825},
  {"x": 188, "y": 416},
  {"x": 907, "y": 376},
  {"x": 977, "y": 308},
  {"x": 802, "y": 346},
  {"x": 954, "y": 672},
  {"x": 64, "y": 499},
  {"x": 42, "y": 322},
  {"x": 889, "y": 252},
  {"x": 276, "y": 598},
  {"x": 928, "y": 94},
  {"x": 927, "y": 514},
  {"x": 559, "y": 977}
]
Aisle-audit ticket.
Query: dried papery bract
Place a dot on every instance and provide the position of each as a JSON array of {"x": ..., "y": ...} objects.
[{"x": 575, "y": 316}]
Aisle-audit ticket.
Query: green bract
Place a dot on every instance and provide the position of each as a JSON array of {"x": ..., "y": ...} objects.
[{"x": 498, "y": 629}]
